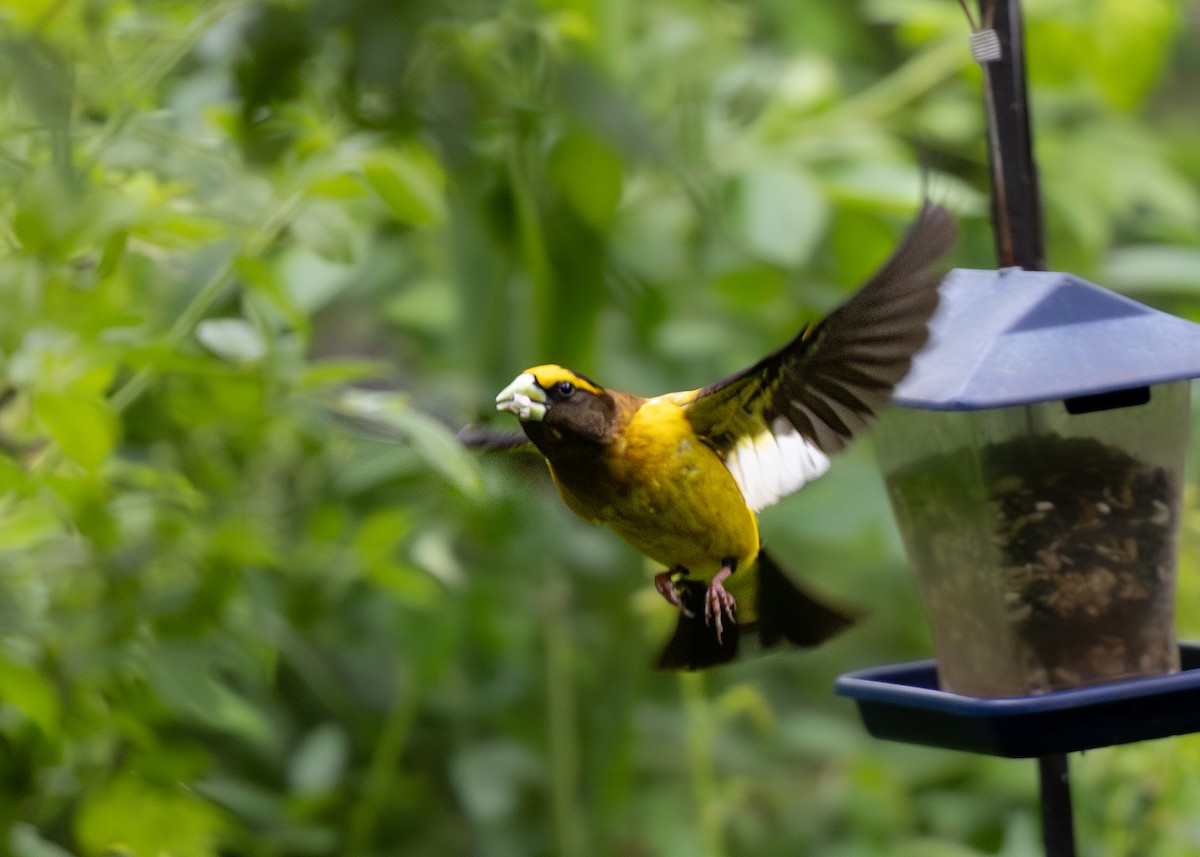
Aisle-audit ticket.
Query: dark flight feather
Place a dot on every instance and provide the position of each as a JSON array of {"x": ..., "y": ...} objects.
[{"x": 833, "y": 378}]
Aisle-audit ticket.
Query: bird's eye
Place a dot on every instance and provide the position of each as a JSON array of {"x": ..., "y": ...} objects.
[{"x": 565, "y": 388}]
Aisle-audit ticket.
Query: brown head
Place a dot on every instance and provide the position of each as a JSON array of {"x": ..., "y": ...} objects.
[{"x": 559, "y": 408}]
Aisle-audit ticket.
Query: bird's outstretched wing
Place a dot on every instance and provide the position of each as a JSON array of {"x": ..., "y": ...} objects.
[{"x": 775, "y": 423}]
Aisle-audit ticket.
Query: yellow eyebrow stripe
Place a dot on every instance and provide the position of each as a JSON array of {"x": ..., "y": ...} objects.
[{"x": 550, "y": 374}]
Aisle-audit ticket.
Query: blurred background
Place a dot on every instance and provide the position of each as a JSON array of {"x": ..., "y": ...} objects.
[{"x": 235, "y": 234}]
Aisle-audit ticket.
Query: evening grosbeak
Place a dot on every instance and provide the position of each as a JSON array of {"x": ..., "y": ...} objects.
[{"x": 680, "y": 476}]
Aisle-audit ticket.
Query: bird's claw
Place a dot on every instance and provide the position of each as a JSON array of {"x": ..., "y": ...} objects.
[
  {"x": 718, "y": 602},
  {"x": 664, "y": 582}
]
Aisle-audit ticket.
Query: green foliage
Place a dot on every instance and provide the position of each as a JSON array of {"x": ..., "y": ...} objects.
[{"x": 257, "y": 255}]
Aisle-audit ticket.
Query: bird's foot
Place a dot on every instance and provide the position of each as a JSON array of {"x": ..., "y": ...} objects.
[
  {"x": 718, "y": 602},
  {"x": 664, "y": 582}
]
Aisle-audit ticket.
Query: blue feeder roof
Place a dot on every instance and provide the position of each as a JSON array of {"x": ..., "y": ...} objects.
[{"x": 1014, "y": 337}]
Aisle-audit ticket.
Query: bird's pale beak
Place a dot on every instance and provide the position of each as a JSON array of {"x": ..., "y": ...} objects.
[{"x": 524, "y": 398}]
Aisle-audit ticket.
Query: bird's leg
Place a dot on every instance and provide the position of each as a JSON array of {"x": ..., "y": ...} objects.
[
  {"x": 717, "y": 600},
  {"x": 664, "y": 582}
]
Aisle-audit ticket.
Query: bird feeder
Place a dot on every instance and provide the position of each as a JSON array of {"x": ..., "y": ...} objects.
[{"x": 1035, "y": 465}]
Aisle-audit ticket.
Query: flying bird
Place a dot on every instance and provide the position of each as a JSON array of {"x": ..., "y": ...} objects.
[{"x": 681, "y": 476}]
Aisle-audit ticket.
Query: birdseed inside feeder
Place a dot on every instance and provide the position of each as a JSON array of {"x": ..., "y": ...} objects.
[{"x": 1035, "y": 467}]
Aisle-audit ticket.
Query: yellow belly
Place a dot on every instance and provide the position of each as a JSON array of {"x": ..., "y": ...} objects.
[{"x": 666, "y": 494}]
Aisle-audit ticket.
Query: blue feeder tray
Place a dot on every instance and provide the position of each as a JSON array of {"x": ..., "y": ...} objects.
[{"x": 902, "y": 702}]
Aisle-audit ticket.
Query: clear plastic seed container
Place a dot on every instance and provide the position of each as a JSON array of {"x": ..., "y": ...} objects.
[{"x": 1044, "y": 536}]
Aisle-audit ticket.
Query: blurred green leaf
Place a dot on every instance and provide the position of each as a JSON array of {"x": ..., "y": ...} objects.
[
  {"x": 882, "y": 185},
  {"x": 692, "y": 339},
  {"x": 749, "y": 287},
  {"x": 340, "y": 186},
  {"x": 489, "y": 778},
  {"x": 860, "y": 241},
  {"x": 129, "y": 816},
  {"x": 319, "y": 762},
  {"x": 431, "y": 440},
  {"x": 259, "y": 804},
  {"x": 781, "y": 214},
  {"x": 310, "y": 280},
  {"x": 337, "y": 372},
  {"x": 1112, "y": 44},
  {"x": 410, "y": 181},
  {"x": 379, "y": 543},
  {"x": 589, "y": 175},
  {"x": 184, "y": 679},
  {"x": 653, "y": 237},
  {"x": 926, "y": 847},
  {"x": 25, "y": 524},
  {"x": 85, "y": 429},
  {"x": 24, "y": 840},
  {"x": 430, "y": 306},
  {"x": 1164, "y": 268},
  {"x": 27, "y": 690},
  {"x": 26, "y": 15},
  {"x": 819, "y": 735},
  {"x": 263, "y": 281},
  {"x": 328, "y": 229},
  {"x": 233, "y": 339},
  {"x": 744, "y": 700}
]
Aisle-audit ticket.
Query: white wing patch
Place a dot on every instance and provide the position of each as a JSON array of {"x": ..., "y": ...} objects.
[{"x": 771, "y": 465}]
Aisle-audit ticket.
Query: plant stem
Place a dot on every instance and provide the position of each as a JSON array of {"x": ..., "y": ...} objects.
[
  {"x": 701, "y": 736},
  {"x": 533, "y": 243},
  {"x": 569, "y": 833},
  {"x": 381, "y": 771},
  {"x": 914, "y": 78}
]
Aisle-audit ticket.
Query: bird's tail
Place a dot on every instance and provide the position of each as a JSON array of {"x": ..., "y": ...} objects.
[{"x": 786, "y": 612}]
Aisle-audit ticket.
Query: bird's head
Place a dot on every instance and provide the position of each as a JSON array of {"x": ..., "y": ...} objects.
[{"x": 555, "y": 404}]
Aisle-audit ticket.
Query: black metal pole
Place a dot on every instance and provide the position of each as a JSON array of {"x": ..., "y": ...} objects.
[
  {"x": 1016, "y": 202},
  {"x": 1058, "y": 824},
  {"x": 1017, "y": 224}
]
